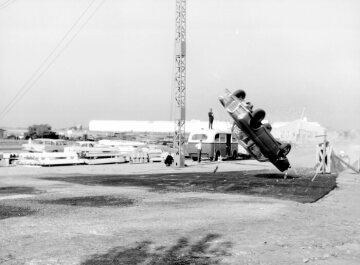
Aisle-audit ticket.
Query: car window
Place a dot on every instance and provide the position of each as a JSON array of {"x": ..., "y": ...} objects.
[
  {"x": 198, "y": 137},
  {"x": 222, "y": 138}
]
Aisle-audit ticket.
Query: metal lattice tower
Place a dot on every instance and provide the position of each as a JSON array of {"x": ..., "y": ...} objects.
[{"x": 180, "y": 83}]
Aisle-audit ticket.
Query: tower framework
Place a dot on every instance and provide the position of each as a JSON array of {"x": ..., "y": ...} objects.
[{"x": 180, "y": 83}]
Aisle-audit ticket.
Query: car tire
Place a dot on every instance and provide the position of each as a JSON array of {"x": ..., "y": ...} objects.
[
  {"x": 282, "y": 164},
  {"x": 257, "y": 116},
  {"x": 194, "y": 159},
  {"x": 285, "y": 149},
  {"x": 240, "y": 94}
]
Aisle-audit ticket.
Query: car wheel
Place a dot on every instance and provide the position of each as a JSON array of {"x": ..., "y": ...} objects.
[
  {"x": 240, "y": 94},
  {"x": 257, "y": 116},
  {"x": 194, "y": 158},
  {"x": 285, "y": 149},
  {"x": 282, "y": 164}
]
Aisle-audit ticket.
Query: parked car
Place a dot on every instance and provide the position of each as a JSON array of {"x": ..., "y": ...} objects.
[
  {"x": 83, "y": 148},
  {"x": 44, "y": 145},
  {"x": 252, "y": 133}
]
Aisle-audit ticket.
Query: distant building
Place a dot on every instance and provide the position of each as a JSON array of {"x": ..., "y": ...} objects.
[
  {"x": 119, "y": 126},
  {"x": 2, "y": 133},
  {"x": 298, "y": 131}
]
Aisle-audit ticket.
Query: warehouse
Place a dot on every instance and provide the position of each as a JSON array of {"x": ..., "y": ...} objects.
[
  {"x": 297, "y": 131},
  {"x": 118, "y": 126}
]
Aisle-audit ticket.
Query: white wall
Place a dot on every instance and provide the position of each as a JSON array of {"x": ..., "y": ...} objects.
[{"x": 151, "y": 126}]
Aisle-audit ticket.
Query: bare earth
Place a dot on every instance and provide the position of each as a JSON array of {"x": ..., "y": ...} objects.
[{"x": 147, "y": 227}]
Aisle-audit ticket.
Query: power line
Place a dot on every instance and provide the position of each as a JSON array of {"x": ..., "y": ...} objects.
[
  {"x": 48, "y": 62},
  {"x": 6, "y": 3},
  {"x": 47, "y": 58}
]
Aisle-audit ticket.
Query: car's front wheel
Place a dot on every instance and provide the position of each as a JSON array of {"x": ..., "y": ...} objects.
[{"x": 257, "y": 116}]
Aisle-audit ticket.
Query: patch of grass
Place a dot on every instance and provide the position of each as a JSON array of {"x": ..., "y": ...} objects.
[
  {"x": 92, "y": 201},
  {"x": 297, "y": 186},
  {"x": 204, "y": 252},
  {"x": 12, "y": 211}
]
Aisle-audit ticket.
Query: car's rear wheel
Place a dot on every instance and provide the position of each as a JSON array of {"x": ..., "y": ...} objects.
[
  {"x": 257, "y": 116},
  {"x": 285, "y": 149},
  {"x": 240, "y": 94},
  {"x": 282, "y": 164}
]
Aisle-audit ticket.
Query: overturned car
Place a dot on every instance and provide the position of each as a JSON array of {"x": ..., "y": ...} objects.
[{"x": 252, "y": 134}]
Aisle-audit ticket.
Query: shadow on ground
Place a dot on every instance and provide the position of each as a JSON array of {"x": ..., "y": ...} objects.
[
  {"x": 18, "y": 190},
  {"x": 297, "y": 186},
  {"x": 92, "y": 201},
  {"x": 13, "y": 211},
  {"x": 207, "y": 251}
]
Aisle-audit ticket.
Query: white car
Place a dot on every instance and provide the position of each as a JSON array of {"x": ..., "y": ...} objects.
[{"x": 44, "y": 145}]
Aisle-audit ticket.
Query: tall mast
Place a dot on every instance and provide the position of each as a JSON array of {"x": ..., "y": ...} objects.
[{"x": 180, "y": 83}]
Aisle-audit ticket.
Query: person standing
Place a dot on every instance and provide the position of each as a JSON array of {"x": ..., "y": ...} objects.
[
  {"x": 211, "y": 118},
  {"x": 199, "y": 148}
]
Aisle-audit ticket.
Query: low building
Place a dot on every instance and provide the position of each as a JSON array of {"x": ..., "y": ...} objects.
[
  {"x": 120, "y": 126},
  {"x": 2, "y": 133},
  {"x": 298, "y": 131}
]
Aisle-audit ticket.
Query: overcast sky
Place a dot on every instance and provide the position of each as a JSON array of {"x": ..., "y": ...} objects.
[{"x": 114, "y": 59}]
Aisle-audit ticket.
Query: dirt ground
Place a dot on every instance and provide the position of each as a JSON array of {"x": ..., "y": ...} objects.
[{"x": 52, "y": 221}]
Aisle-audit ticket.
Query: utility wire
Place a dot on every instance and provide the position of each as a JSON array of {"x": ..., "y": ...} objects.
[
  {"x": 6, "y": 3},
  {"x": 38, "y": 70},
  {"x": 45, "y": 64}
]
